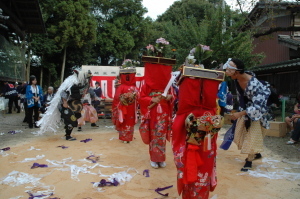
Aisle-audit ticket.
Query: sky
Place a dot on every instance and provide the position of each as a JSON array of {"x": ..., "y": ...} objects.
[{"x": 157, "y": 7}]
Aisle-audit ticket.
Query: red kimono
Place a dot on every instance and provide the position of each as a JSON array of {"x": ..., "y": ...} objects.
[
  {"x": 196, "y": 163},
  {"x": 156, "y": 122},
  {"x": 125, "y": 107}
]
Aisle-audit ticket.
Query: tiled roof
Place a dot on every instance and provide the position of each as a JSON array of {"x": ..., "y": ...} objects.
[
  {"x": 260, "y": 7},
  {"x": 291, "y": 43},
  {"x": 25, "y": 14},
  {"x": 286, "y": 65}
]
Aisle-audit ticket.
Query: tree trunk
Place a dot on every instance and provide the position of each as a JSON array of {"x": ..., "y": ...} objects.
[
  {"x": 63, "y": 66},
  {"x": 104, "y": 61},
  {"x": 49, "y": 77},
  {"x": 23, "y": 51},
  {"x": 28, "y": 66},
  {"x": 41, "y": 77},
  {"x": 16, "y": 79}
]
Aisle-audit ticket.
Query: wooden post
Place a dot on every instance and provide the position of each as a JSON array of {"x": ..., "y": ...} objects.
[
  {"x": 28, "y": 66},
  {"x": 63, "y": 66},
  {"x": 41, "y": 77},
  {"x": 283, "y": 110}
]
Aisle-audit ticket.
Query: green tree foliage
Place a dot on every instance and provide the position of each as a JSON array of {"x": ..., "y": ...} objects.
[
  {"x": 75, "y": 26},
  {"x": 190, "y": 22},
  {"x": 185, "y": 36},
  {"x": 226, "y": 40},
  {"x": 185, "y": 10},
  {"x": 122, "y": 29},
  {"x": 72, "y": 25}
]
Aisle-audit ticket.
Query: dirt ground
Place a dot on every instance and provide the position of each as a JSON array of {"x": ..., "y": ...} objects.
[{"x": 69, "y": 174}]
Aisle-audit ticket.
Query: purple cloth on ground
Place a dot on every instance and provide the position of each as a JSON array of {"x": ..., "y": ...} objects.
[
  {"x": 36, "y": 165},
  {"x": 146, "y": 171},
  {"x": 104, "y": 183},
  {"x": 158, "y": 190},
  {"x": 5, "y": 149},
  {"x": 86, "y": 140},
  {"x": 63, "y": 147}
]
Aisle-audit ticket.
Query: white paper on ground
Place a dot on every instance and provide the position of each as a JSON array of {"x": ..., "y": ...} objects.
[
  {"x": 17, "y": 197},
  {"x": 16, "y": 178},
  {"x": 75, "y": 170},
  {"x": 38, "y": 157},
  {"x": 275, "y": 171},
  {"x": 32, "y": 148},
  {"x": 122, "y": 177},
  {"x": 48, "y": 191}
]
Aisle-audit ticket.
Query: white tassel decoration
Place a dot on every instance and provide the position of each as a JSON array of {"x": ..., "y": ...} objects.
[
  {"x": 120, "y": 116},
  {"x": 209, "y": 141},
  {"x": 159, "y": 109}
]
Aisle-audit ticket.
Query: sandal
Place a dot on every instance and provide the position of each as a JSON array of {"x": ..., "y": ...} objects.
[
  {"x": 290, "y": 142},
  {"x": 257, "y": 156},
  {"x": 70, "y": 138},
  {"x": 247, "y": 166}
]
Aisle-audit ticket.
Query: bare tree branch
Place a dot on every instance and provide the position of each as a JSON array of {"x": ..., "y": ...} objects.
[{"x": 243, "y": 13}]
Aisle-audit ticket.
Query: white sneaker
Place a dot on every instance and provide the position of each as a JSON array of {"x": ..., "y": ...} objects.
[
  {"x": 162, "y": 164},
  {"x": 153, "y": 164}
]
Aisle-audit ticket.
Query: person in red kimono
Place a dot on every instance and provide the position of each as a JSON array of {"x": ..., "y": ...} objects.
[
  {"x": 125, "y": 106},
  {"x": 194, "y": 137},
  {"x": 156, "y": 112}
]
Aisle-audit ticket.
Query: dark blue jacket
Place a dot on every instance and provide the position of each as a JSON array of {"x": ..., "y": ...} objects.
[
  {"x": 98, "y": 91},
  {"x": 44, "y": 102},
  {"x": 9, "y": 91}
]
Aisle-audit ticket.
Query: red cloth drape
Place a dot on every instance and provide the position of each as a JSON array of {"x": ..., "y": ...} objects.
[
  {"x": 156, "y": 122},
  {"x": 157, "y": 76},
  {"x": 195, "y": 166},
  {"x": 125, "y": 127}
]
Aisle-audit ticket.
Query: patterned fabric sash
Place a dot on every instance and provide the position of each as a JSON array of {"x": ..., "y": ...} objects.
[
  {"x": 199, "y": 127},
  {"x": 128, "y": 98},
  {"x": 156, "y": 93}
]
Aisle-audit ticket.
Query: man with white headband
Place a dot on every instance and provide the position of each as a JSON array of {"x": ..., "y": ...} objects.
[{"x": 251, "y": 115}]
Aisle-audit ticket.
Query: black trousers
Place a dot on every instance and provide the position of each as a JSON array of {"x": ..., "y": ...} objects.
[
  {"x": 34, "y": 109},
  {"x": 13, "y": 99},
  {"x": 26, "y": 111},
  {"x": 69, "y": 130},
  {"x": 296, "y": 132}
]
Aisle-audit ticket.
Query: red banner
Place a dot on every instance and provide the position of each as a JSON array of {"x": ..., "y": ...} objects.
[{"x": 107, "y": 84}]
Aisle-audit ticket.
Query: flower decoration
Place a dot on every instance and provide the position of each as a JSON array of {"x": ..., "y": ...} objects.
[
  {"x": 160, "y": 48},
  {"x": 150, "y": 48},
  {"x": 190, "y": 59},
  {"x": 128, "y": 63},
  {"x": 201, "y": 52},
  {"x": 162, "y": 41},
  {"x": 129, "y": 97}
]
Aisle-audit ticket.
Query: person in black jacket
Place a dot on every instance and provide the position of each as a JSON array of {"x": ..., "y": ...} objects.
[
  {"x": 98, "y": 90},
  {"x": 11, "y": 93}
]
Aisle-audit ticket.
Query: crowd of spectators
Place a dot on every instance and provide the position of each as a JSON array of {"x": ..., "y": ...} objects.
[{"x": 29, "y": 98}]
